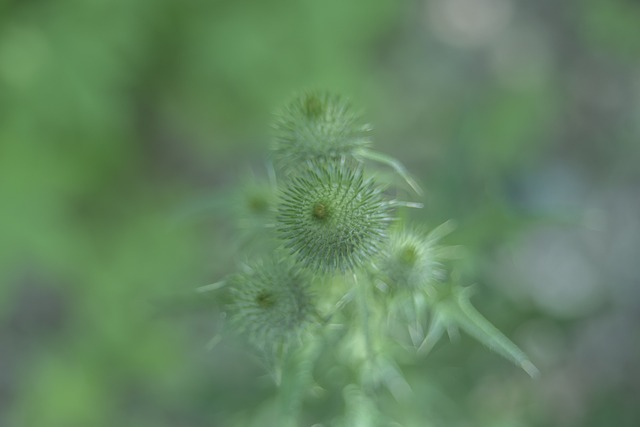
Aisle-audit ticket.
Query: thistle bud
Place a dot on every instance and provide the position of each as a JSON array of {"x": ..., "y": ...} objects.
[
  {"x": 318, "y": 126},
  {"x": 332, "y": 218},
  {"x": 271, "y": 304},
  {"x": 413, "y": 258},
  {"x": 322, "y": 126}
]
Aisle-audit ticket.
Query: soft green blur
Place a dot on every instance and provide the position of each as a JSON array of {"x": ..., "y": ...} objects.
[{"x": 126, "y": 125}]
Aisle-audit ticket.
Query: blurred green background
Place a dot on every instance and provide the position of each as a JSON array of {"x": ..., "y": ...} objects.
[{"x": 126, "y": 124}]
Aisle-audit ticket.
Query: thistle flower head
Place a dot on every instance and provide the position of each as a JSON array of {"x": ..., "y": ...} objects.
[
  {"x": 318, "y": 126},
  {"x": 413, "y": 258},
  {"x": 253, "y": 203},
  {"x": 333, "y": 218},
  {"x": 271, "y": 303}
]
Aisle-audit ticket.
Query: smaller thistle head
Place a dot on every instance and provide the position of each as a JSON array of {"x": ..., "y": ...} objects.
[
  {"x": 253, "y": 203},
  {"x": 251, "y": 209},
  {"x": 413, "y": 259},
  {"x": 332, "y": 218},
  {"x": 318, "y": 126},
  {"x": 271, "y": 303}
]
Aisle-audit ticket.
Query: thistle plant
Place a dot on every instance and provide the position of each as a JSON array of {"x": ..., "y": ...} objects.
[{"x": 342, "y": 277}]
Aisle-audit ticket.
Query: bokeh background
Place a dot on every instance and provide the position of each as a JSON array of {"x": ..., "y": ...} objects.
[{"x": 126, "y": 125}]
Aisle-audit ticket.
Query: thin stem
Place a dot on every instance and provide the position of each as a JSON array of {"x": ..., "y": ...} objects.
[{"x": 295, "y": 382}]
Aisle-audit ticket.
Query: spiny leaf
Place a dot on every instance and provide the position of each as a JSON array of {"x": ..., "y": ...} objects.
[{"x": 455, "y": 309}]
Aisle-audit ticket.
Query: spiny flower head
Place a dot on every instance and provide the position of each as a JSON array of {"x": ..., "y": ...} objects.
[
  {"x": 253, "y": 203},
  {"x": 318, "y": 126},
  {"x": 413, "y": 259},
  {"x": 271, "y": 303},
  {"x": 333, "y": 218}
]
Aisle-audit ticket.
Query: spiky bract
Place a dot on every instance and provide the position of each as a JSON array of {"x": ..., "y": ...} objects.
[
  {"x": 318, "y": 126},
  {"x": 271, "y": 303},
  {"x": 333, "y": 218}
]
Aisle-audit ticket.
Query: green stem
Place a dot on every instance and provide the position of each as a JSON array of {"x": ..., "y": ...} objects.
[
  {"x": 295, "y": 383},
  {"x": 364, "y": 313}
]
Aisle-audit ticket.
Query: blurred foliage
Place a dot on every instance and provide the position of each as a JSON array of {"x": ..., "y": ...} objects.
[{"x": 125, "y": 126}]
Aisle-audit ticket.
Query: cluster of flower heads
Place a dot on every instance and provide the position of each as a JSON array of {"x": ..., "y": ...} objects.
[{"x": 330, "y": 217}]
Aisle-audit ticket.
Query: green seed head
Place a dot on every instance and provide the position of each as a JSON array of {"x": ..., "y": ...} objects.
[
  {"x": 317, "y": 126},
  {"x": 333, "y": 218},
  {"x": 271, "y": 304}
]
